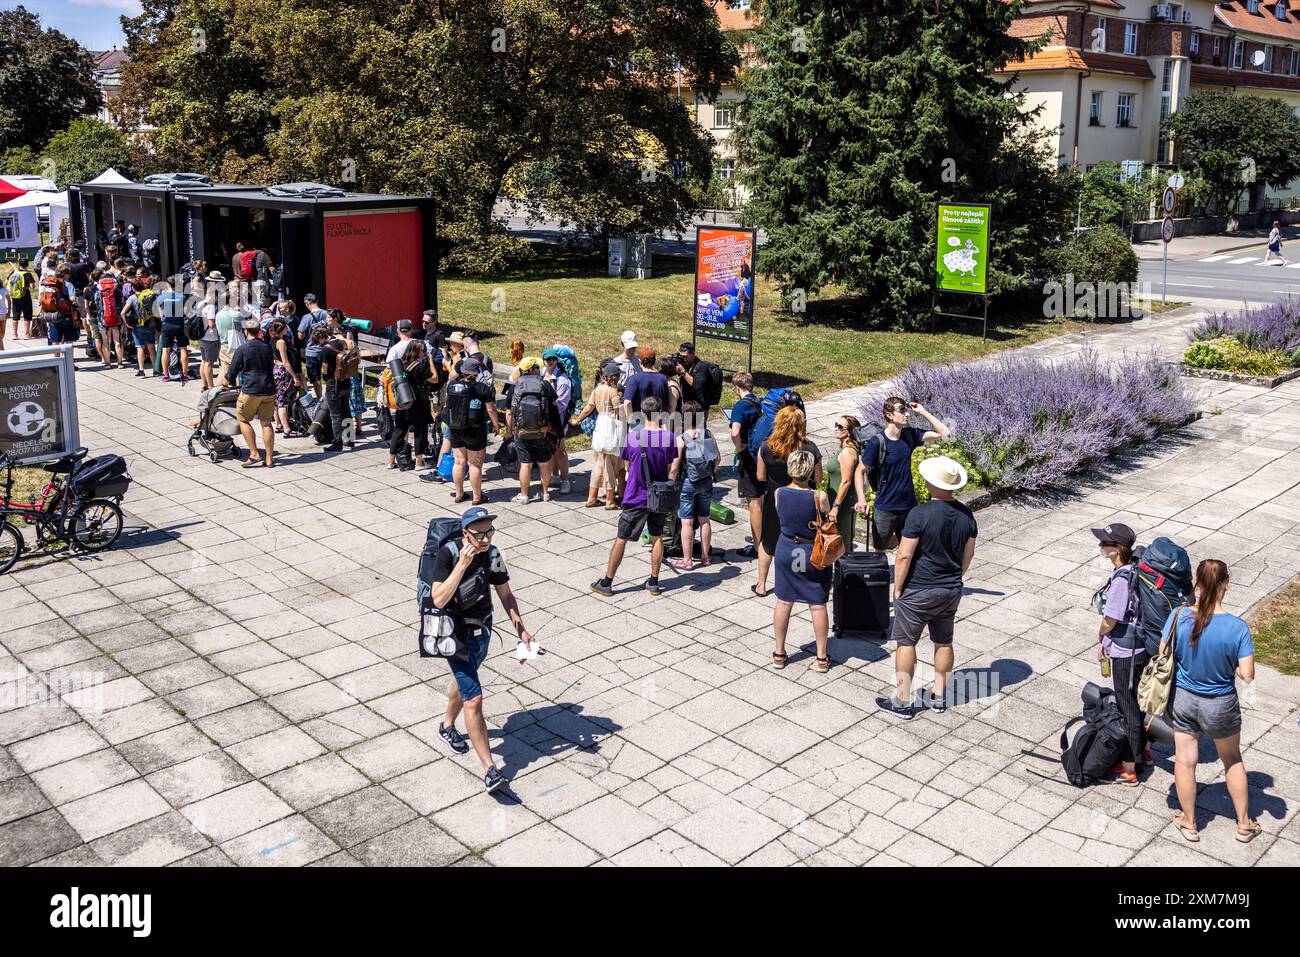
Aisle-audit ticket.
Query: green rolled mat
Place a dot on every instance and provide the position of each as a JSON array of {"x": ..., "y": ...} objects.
[{"x": 720, "y": 513}]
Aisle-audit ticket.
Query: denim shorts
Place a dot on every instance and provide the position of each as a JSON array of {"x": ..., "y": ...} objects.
[
  {"x": 694, "y": 500},
  {"x": 144, "y": 336},
  {"x": 313, "y": 368},
  {"x": 1218, "y": 717},
  {"x": 466, "y": 671}
]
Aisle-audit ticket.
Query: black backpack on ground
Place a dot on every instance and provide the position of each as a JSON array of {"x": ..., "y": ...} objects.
[
  {"x": 1097, "y": 745},
  {"x": 1164, "y": 583},
  {"x": 405, "y": 459},
  {"x": 528, "y": 405},
  {"x": 708, "y": 382}
]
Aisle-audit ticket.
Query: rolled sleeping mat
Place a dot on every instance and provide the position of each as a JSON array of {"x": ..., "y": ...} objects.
[
  {"x": 403, "y": 394},
  {"x": 1158, "y": 728},
  {"x": 721, "y": 514},
  {"x": 360, "y": 325}
]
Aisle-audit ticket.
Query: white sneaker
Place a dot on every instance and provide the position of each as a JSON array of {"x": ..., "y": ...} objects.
[
  {"x": 566, "y": 487},
  {"x": 521, "y": 499}
]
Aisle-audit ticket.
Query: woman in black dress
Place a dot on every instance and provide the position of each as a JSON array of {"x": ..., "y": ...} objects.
[
  {"x": 798, "y": 506},
  {"x": 418, "y": 418},
  {"x": 789, "y": 435}
]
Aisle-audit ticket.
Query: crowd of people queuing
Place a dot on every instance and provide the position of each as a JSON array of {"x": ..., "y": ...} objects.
[{"x": 654, "y": 459}]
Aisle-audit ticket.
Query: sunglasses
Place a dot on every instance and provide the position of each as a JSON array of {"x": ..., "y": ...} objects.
[
  {"x": 484, "y": 534},
  {"x": 840, "y": 427}
]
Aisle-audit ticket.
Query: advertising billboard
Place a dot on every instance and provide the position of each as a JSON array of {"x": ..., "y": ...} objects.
[
  {"x": 724, "y": 283},
  {"x": 38, "y": 405},
  {"x": 962, "y": 249}
]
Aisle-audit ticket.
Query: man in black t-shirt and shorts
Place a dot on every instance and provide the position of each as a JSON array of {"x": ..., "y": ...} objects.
[
  {"x": 936, "y": 550},
  {"x": 464, "y": 575},
  {"x": 471, "y": 404}
]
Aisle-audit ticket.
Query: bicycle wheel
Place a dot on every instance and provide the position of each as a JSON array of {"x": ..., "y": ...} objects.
[
  {"x": 11, "y": 546},
  {"x": 95, "y": 525},
  {"x": 47, "y": 533}
]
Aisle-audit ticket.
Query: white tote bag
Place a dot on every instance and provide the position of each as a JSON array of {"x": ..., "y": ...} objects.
[{"x": 607, "y": 437}]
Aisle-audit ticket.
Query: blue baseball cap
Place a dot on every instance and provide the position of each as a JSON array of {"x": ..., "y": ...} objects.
[{"x": 475, "y": 513}]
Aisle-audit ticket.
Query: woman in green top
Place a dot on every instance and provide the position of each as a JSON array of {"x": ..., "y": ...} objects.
[{"x": 839, "y": 478}]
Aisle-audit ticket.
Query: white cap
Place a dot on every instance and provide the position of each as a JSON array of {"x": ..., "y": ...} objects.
[{"x": 629, "y": 339}]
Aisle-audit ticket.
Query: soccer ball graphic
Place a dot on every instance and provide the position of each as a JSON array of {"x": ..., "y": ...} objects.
[{"x": 25, "y": 419}]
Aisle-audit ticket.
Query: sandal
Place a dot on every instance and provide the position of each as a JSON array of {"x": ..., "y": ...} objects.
[
  {"x": 591, "y": 504},
  {"x": 1253, "y": 830},
  {"x": 823, "y": 665},
  {"x": 682, "y": 564},
  {"x": 457, "y": 499},
  {"x": 1190, "y": 834},
  {"x": 252, "y": 464},
  {"x": 477, "y": 501},
  {"x": 760, "y": 594},
  {"x": 779, "y": 659}
]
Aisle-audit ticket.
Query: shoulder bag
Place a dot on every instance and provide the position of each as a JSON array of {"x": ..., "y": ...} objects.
[
  {"x": 662, "y": 496},
  {"x": 828, "y": 544},
  {"x": 1156, "y": 687}
]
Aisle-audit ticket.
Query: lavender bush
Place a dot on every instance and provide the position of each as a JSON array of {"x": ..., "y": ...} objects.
[
  {"x": 1026, "y": 423},
  {"x": 1271, "y": 328}
]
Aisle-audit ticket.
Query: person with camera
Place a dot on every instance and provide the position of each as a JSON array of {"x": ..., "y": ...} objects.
[
  {"x": 888, "y": 470},
  {"x": 465, "y": 574},
  {"x": 653, "y": 455},
  {"x": 701, "y": 381}
]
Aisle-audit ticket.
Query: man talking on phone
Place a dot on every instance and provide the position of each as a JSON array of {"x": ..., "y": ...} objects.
[
  {"x": 889, "y": 470},
  {"x": 462, "y": 574}
]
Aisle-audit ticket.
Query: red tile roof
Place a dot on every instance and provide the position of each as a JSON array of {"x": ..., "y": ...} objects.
[
  {"x": 1265, "y": 22},
  {"x": 109, "y": 59},
  {"x": 1073, "y": 59}
]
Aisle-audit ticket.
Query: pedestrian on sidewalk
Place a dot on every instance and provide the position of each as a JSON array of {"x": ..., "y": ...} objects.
[
  {"x": 799, "y": 507},
  {"x": 936, "y": 550},
  {"x": 470, "y": 407},
  {"x": 1119, "y": 642},
  {"x": 534, "y": 421},
  {"x": 559, "y": 381},
  {"x": 21, "y": 285},
  {"x": 606, "y": 467},
  {"x": 701, "y": 458},
  {"x": 1275, "y": 244},
  {"x": 1211, "y": 650},
  {"x": 653, "y": 453},
  {"x": 253, "y": 367},
  {"x": 789, "y": 435},
  {"x": 629, "y": 363},
  {"x": 886, "y": 465},
  {"x": 841, "y": 470},
  {"x": 464, "y": 575},
  {"x": 744, "y": 416},
  {"x": 336, "y": 356}
]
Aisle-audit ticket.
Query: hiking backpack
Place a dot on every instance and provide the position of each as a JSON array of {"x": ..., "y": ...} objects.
[
  {"x": 868, "y": 432},
  {"x": 1164, "y": 583},
  {"x": 18, "y": 284},
  {"x": 567, "y": 360},
  {"x": 768, "y": 407},
  {"x": 708, "y": 382},
  {"x": 346, "y": 364},
  {"x": 442, "y": 531},
  {"x": 54, "y": 296},
  {"x": 528, "y": 405},
  {"x": 148, "y": 316},
  {"x": 699, "y": 463},
  {"x": 387, "y": 399},
  {"x": 1097, "y": 745},
  {"x": 246, "y": 260},
  {"x": 109, "y": 308},
  {"x": 461, "y": 403}
]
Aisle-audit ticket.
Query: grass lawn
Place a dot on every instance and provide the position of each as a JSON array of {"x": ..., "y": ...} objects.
[
  {"x": 565, "y": 295},
  {"x": 1277, "y": 630}
]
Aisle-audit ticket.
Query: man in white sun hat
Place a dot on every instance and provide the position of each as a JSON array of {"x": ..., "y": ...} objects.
[{"x": 937, "y": 547}]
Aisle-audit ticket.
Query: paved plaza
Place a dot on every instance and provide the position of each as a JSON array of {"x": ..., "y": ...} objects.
[{"x": 237, "y": 681}]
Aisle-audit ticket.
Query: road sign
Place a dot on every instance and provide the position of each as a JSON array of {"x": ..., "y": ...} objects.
[
  {"x": 1169, "y": 200},
  {"x": 1176, "y": 180},
  {"x": 1167, "y": 229}
]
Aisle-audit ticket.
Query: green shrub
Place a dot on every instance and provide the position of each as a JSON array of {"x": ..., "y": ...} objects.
[
  {"x": 1229, "y": 355},
  {"x": 1099, "y": 255}
]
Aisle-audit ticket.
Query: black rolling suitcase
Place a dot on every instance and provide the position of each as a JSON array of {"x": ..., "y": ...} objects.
[{"x": 860, "y": 595}]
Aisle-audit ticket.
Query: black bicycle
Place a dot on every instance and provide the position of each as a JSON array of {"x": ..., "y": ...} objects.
[{"x": 82, "y": 511}]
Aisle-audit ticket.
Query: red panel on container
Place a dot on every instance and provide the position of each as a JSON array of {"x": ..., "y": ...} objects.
[{"x": 374, "y": 265}]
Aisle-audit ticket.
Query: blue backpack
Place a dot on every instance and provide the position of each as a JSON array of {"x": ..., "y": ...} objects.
[
  {"x": 768, "y": 407},
  {"x": 568, "y": 361}
]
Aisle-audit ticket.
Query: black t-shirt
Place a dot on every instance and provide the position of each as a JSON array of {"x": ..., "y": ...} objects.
[
  {"x": 777, "y": 473},
  {"x": 473, "y": 599},
  {"x": 255, "y": 361},
  {"x": 78, "y": 274},
  {"x": 435, "y": 340},
  {"x": 329, "y": 354},
  {"x": 483, "y": 360},
  {"x": 942, "y": 529}
]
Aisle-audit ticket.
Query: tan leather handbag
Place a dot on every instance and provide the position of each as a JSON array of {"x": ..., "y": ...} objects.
[{"x": 828, "y": 545}]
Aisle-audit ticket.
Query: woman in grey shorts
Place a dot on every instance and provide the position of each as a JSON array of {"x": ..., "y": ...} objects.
[{"x": 1211, "y": 650}]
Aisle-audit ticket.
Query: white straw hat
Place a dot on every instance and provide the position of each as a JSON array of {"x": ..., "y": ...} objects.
[{"x": 943, "y": 472}]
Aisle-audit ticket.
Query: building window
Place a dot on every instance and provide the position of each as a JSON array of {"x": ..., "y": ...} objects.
[
  {"x": 1238, "y": 53},
  {"x": 1194, "y": 45},
  {"x": 1252, "y": 6},
  {"x": 1166, "y": 102},
  {"x": 1124, "y": 112},
  {"x": 1268, "y": 60},
  {"x": 9, "y": 228},
  {"x": 1280, "y": 10},
  {"x": 727, "y": 170},
  {"x": 1218, "y": 46},
  {"x": 1131, "y": 38},
  {"x": 1094, "y": 109},
  {"x": 1099, "y": 36},
  {"x": 1295, "y": 63},
  {"x": 724, "y": 115}
]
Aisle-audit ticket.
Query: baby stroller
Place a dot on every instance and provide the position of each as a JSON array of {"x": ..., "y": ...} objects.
[{"x": 217, "y": 425}]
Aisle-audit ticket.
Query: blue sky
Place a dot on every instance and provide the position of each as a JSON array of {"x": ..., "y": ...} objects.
[{"x": 92, "y": 23}]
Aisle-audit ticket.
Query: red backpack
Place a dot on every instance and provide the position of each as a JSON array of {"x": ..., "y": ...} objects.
[
  {"x": 109, "y": 314},
  {"x": 246, "y": 260},
  {"x": 54, "y": 296}
]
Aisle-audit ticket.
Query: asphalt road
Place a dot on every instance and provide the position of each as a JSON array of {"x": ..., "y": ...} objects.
[{"x": 1224, "y": 276}]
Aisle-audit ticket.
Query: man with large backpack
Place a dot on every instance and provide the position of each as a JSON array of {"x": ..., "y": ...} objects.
[
  {"x": 744, "y": 416},
  {"x": 252, "y": 266},
  {"x": 58, "y": 306},
  {"x": 339, "y": 362},
  {"x": 471, "y": 404},
  {"x": 110, "y": 298},
  {"x": 886, "y": 465},
  {"x": 21, "y": 285},
  {"x": 534, "y": 422},
  {"x": 461, "y": 574}
]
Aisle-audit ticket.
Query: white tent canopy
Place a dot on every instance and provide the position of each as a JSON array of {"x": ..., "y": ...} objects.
[
  {"x": 31, "y": 198},
  {"x": 24, "y": 181},
  {"x": 109, "y": 176}
]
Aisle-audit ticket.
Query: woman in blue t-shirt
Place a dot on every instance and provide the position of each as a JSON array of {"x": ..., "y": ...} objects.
[{"x": 1211, "y": 650}]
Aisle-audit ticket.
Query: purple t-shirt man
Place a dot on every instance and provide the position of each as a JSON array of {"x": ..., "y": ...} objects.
[{"x": 660, "y": 449}]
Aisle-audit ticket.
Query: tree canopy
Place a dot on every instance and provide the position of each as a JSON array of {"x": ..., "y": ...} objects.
[
  {"x": 45, "y": 81},
  {"x": 1216, "y": 131},
  {"x": 561, "y": 102},
  {"x": 867, "y": 115}
]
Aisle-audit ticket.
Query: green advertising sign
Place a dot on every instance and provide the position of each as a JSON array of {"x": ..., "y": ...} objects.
[{"x": 961, "y": 256}]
